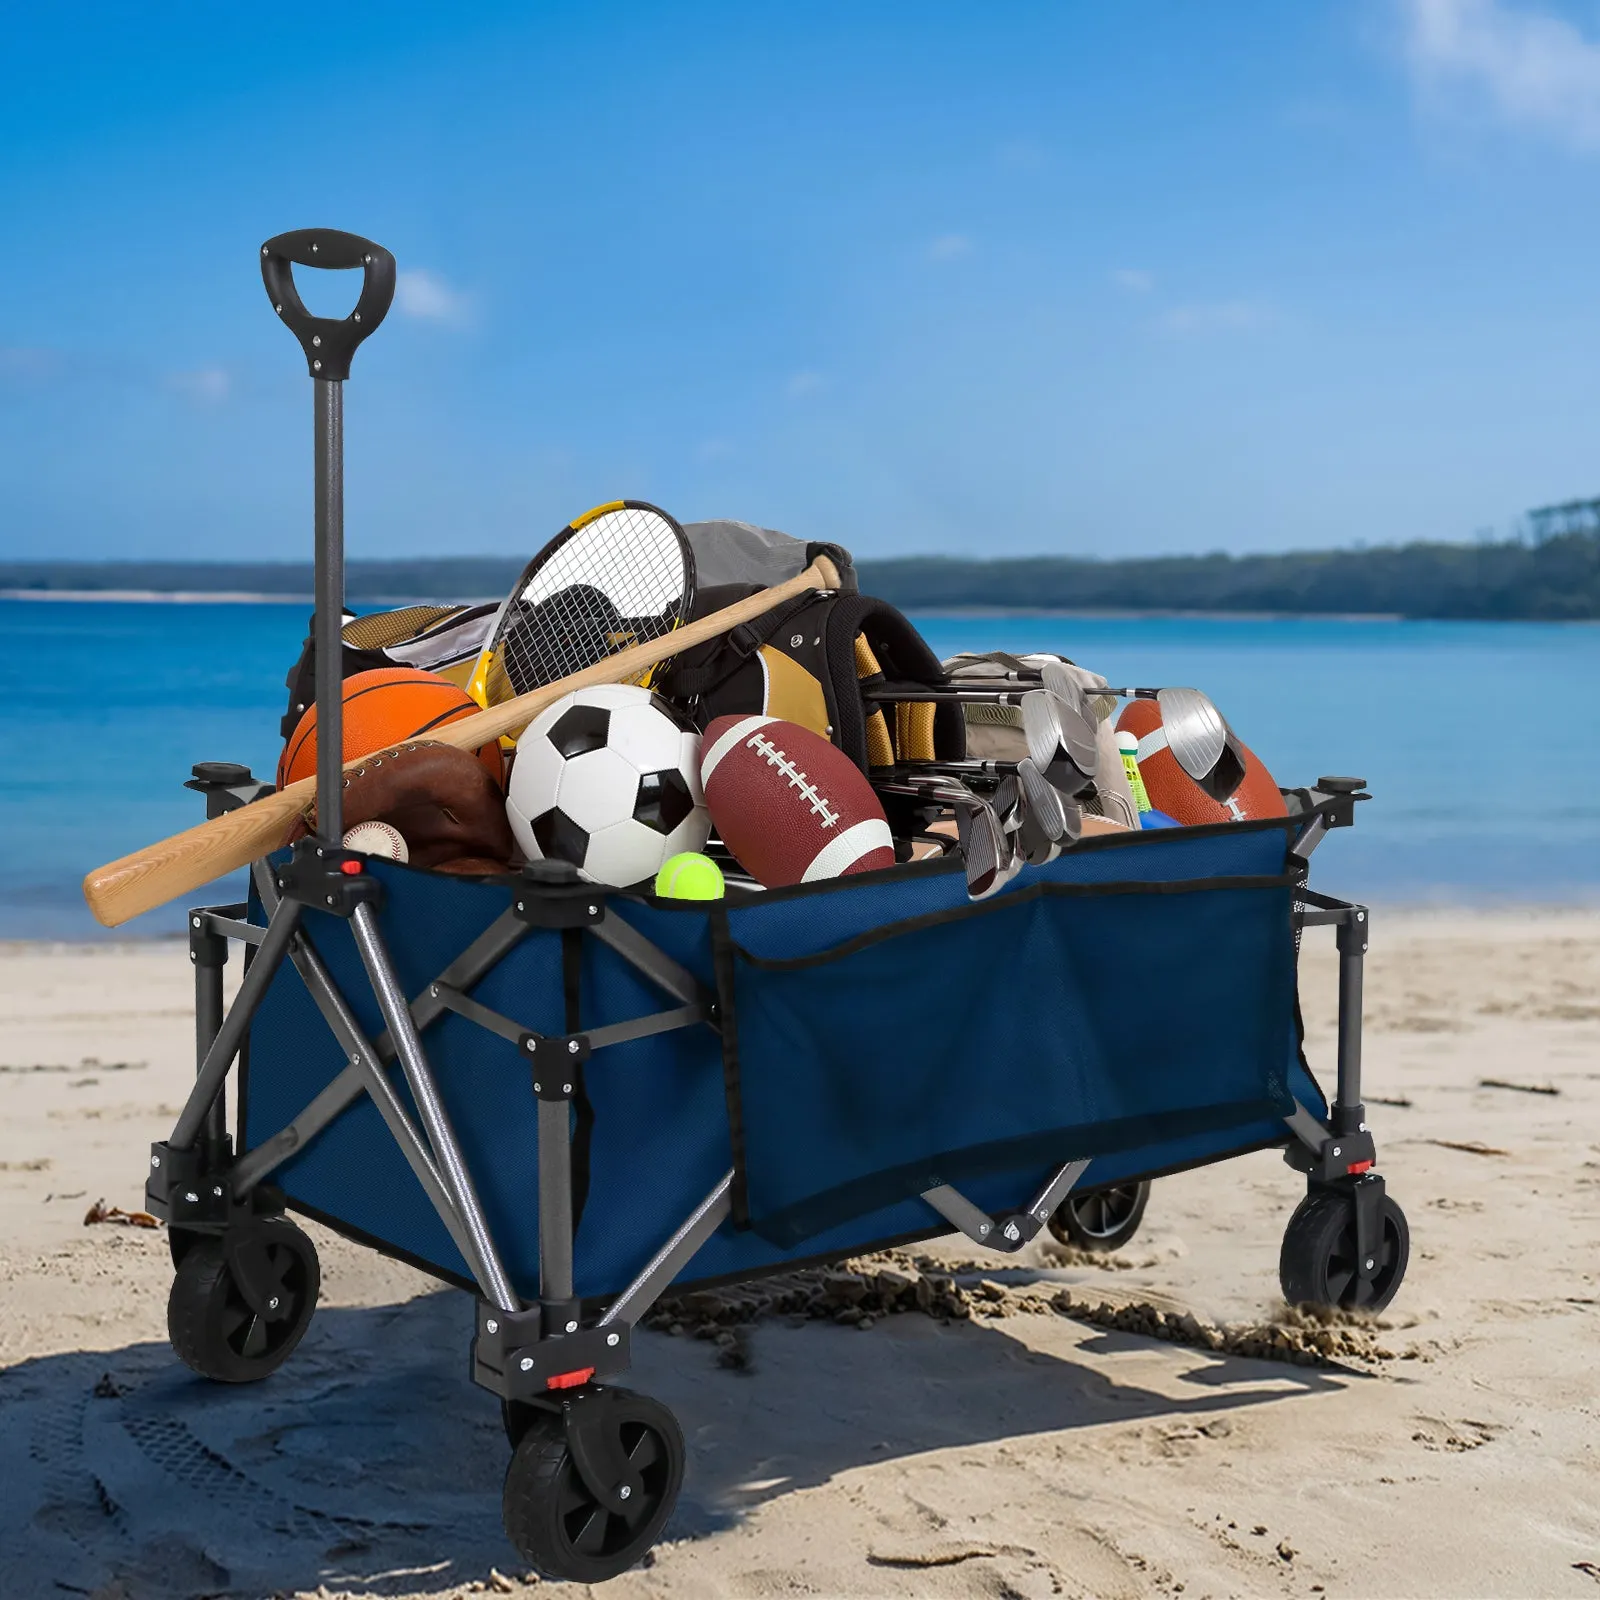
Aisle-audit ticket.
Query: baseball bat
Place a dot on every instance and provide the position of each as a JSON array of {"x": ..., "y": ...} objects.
[{"x": 150, "y": 877}]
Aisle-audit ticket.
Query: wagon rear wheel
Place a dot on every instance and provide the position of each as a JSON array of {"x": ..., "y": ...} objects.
[
  {"x": 559, "y": 1521},
  {"x": 1101, "y": 1219}
]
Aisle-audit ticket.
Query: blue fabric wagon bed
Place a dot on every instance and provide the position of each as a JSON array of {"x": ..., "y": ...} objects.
[{"x": 1131, "y": 1005}]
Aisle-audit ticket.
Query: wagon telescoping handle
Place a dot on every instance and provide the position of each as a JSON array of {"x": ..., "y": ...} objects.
[{"x": 329, "y": 344}]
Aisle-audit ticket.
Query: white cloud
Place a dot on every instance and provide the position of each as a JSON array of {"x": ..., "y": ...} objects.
[
  {"x": 1525, "y": 65},
  {"x": 1222, "y": 316},
  {"x": 949, "y": 246},
  {"x": 803, "y": 383},
  {"x": 205, "y": 386},
  {"x": 426, "y": 296},
  {"x": 1134, "y": 280}
]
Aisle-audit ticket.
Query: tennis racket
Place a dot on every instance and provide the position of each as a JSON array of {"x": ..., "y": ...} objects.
[{"x": 619, "y": 575}]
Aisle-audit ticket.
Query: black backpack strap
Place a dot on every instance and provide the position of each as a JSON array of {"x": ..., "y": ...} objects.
[{"x": 702, "y": 669}]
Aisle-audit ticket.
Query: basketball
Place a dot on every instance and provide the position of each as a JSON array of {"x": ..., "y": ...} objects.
[{"x": 387, "y": 706}]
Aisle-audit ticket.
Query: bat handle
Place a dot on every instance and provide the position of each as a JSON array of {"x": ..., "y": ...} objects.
[{"x": 329, "y": 342}]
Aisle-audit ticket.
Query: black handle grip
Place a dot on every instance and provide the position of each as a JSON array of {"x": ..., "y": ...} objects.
[{"x": 329, "y": 342}]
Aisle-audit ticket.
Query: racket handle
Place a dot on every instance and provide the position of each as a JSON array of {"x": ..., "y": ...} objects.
[{"x": 329, "y": 342}]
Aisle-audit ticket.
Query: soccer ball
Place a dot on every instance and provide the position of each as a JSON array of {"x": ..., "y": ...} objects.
[{"x": 609, "y": 779}]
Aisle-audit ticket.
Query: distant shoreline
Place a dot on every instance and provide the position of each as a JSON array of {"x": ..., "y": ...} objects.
[
  {"x": 201, "y": 597},
  {"x": 1554, "y": 579}
]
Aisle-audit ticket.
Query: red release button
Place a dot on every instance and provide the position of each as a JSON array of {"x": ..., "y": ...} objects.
[
  {"x": 569, "y": 1380},
  {"x": 350, "y": 868},
  {"x": 1358, "y": 1166}
]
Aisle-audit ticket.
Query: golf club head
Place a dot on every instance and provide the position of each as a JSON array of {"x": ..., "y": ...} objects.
[
  {"x": 1042, "y": 801},
  {"x": 1033, "y": 844},
  {"x": 1067, "y": 683},
  {"x": 1007, "y": 803},
  {"x": 1196, "y": 733},
  {"x": 1054, "y": 727},
  {"x": 991, "y": 862}
]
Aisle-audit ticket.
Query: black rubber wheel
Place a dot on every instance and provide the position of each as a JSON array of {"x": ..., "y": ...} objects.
[
  {"x": 516, "y": 1417},
  {"x": 1101, "y": 1219},
  {"x": 554, "y": 1520},
  {"x": 1317, "y": 1265},
  {"x": 213, "y": 1328}
]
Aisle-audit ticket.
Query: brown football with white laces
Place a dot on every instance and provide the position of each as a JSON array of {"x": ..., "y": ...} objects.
[{"x": 790, "y": 806}]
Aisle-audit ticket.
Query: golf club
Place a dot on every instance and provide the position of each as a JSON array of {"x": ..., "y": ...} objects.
[
  {"x": 990, "y": 861},
  {"x": 1195, "y": 731}
]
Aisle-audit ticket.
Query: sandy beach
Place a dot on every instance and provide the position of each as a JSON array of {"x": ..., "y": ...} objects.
[{"x": 1016, "y": 1451}]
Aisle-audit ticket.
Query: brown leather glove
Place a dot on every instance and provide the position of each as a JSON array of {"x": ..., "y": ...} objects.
[{"x": 448, "y": 809}]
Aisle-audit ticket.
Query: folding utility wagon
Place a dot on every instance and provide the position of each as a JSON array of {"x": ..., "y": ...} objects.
[{"x": 564, "y": 1099}]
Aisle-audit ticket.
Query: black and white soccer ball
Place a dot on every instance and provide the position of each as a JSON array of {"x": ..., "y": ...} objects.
[{"x": 608, "y": 778}]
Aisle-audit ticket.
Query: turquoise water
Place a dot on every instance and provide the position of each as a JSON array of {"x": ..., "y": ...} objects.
[{"x": 1480, "y": 741}]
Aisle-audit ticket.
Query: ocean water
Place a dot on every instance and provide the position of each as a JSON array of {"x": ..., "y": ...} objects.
[{"x": 1480, "y": 742}]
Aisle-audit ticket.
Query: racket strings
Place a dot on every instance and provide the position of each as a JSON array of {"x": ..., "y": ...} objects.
[{"x": 618, "y": 581}]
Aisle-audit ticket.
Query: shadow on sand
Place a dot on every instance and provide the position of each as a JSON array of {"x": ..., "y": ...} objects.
[{"x": 371, "y": 1459}]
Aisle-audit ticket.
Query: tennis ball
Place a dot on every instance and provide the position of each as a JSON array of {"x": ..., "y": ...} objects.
[{"x": 689, "y": 876}]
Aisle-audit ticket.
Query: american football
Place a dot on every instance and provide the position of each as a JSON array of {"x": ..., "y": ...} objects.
[
  {"x": 608, "y": 778},
  {"x": 789, "y": 805},
  {"x": 1240, "y": 787}
]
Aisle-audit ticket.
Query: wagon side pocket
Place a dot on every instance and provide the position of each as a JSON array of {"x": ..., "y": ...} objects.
[{"x": 1051, "y": 1023}]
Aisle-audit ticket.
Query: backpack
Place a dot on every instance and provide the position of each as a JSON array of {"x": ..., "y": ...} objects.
[{"x": 808, "y": 661}]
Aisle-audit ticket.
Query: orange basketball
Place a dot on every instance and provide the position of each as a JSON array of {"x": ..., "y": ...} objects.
[
  {"x": 387, "y": 706},
  {"x": 1172, "y": 790}
]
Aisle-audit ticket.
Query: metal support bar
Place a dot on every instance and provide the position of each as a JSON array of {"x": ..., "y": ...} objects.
[
  {"x": 219, "y": 1057},
  {"x": 505, "y": 932},
  {"x": 209, "y": 959},
  {"x": 365, "y": 1073},
  {"x": 555, "y": 1201},
  {"x": 1311, "y": 1132},
  {"x": 1310, "y": 837},
  {"x": 1352, "y": 939},
  {"x": 643, "y": 1027},
  {"x": 1056, "y": 1190},
  {"x": 655, "y": 964},
  {"x": 481, "y": 1255},
  {"x": 450, "y": 998},
  {"x": 233, "y": 928},
  {"x": 960, "y": 1212},
  {"x": 673, "y": 1256},
  {"x": 611, "y": 1033}
]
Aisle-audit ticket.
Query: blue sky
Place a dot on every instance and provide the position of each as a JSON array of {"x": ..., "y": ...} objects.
[{"x": 972, "y": 279}]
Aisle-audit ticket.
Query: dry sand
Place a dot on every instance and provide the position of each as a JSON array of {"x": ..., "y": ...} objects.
[{"x": 1023, "y": 1454}]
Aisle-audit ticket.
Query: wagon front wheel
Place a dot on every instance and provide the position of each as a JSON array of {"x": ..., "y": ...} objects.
[
  {"x": 583, "y": 1504},
  {"x": 1101, "y": 1219},
  {"x": 239, "y": 1306},
  {"x": 1318, "y": 1264}
]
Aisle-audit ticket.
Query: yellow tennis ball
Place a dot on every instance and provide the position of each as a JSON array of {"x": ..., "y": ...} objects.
[{"x": 689, "y": 876}]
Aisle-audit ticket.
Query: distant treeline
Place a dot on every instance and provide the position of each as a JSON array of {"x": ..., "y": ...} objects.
[{"x": 1555, "y": 579}]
